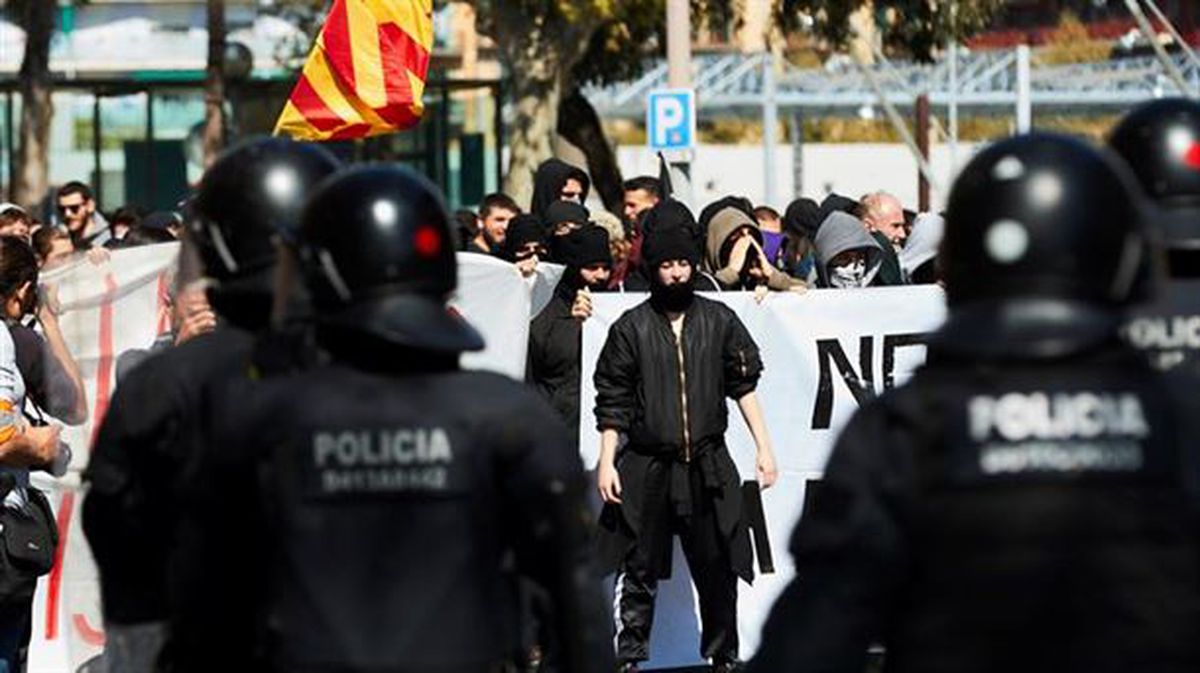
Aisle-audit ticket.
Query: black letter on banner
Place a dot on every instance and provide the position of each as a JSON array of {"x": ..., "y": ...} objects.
[
  {"x": 861, "y": 383},
  {"x": 890, "y": 343}
]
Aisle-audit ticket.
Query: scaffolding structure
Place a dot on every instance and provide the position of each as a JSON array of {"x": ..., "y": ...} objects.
[{"x": 741, "y": 82}]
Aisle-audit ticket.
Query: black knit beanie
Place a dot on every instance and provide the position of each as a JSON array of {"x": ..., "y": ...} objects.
[
  {"x": 585, "y": 246},
  {"x": 665, "y": 244}
]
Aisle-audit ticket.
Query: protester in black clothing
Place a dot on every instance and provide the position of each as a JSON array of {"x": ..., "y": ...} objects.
[
  {"x": 556, "y": 180},
  {"x": 1159, "y": 142},
  {"x": 387, "y": 485},
  {"x": 525, "y": 244},
  {"x": 563, "y": 217},
  {"x": 662, "y": 380},
  {"x": 1028, "y": 501},
  {"x": 138, "y": 475},
  {"x": 552, "y": 364},
  {"x": 666, "y": 215}
]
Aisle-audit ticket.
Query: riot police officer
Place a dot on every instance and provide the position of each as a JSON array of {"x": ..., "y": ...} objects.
[
  {"x": 389, "y": 485},
  {"x": 1028, "y": 501},
  {"x": 1161, "y": 143},
  {"x": 250, "y": 196}
]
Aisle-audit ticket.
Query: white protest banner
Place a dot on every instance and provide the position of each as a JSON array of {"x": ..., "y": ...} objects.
[
  {"x": 120, "y": 304},
  {"x": 824, "y": 352},
  {"x": 107, "y": 308}
]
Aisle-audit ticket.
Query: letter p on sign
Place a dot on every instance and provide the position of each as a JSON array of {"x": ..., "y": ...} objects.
[{"x": 671, "y": 119}]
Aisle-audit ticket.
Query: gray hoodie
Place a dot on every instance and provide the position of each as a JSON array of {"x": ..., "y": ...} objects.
[
  {"x": 837, "y": 234},
  {"x": 922, "y": 244}
]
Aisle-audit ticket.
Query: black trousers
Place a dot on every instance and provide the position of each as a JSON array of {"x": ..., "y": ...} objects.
[{"x": 716, "y": 584}]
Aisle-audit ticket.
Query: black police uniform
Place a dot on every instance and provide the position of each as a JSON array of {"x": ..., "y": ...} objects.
[
  {"x": 1160, "y": 141},
  {"x": 137, "y": 470},
  {"x": 129, "y": 514},
  {"x": 390, "y": 492},
  {"x": 1028, "y": 500}
]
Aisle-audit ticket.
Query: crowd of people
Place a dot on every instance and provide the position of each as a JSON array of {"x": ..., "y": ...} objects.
[
  {"x": 300, "y": 477},
  {"x": 743, "y": 247}
]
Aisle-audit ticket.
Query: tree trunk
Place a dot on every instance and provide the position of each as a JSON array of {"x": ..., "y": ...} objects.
[
  {"x": 531, "y": 138},
  {"x": 539, "y": 55},
  {"x": 214, "y": 83},
  {"x": 37, "y": 105},
  {"x": 579, "y": 124},
  {"x": 864, "y": 36}
]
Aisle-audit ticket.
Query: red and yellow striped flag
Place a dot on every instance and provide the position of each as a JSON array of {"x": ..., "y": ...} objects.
[{"x": 366, "y": 74}]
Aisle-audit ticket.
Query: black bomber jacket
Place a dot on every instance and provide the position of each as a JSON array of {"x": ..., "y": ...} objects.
[{"x": 647, "y": 385}]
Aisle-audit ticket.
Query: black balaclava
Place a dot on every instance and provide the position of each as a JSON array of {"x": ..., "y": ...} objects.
[
  {"x": 556, "y": 214},
  {"x": 565, "y": 211},
  {"x": 522, "y": 229},
  {"x": 581, "y": 248},
  {"x": 664, "y": 245}
]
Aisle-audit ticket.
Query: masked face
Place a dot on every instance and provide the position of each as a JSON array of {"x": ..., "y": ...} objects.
[
  {"x": 572, "y": 191},
  {"x": 595, "y": 276},
  {"x": 850, "y": 274},
  {"x": 673, "y": 287}
]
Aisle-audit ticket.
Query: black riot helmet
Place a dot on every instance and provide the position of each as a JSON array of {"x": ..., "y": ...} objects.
[
  {"x": 1043, "y": 216},
  {"x": 1161, "y": 143},
  {"x": 248, "y": 200},
  {"x": 377, "y": 253}
]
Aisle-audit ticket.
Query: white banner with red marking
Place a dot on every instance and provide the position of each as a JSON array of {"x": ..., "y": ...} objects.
[
  {"x": 123, "y": 304},
  {"x": 107, "y": 308}
]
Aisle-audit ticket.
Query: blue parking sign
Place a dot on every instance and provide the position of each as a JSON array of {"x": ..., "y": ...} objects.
[{"x": 671, "y": 119}]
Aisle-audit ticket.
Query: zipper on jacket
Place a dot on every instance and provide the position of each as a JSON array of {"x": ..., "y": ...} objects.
[{"x": 683, "y": 399}]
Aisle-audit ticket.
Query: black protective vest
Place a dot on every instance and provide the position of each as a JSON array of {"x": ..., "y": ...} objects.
[
  {"x": 1051, "y": 521},
  {"x": 1169, "y": 330},
  {"x": 386, "y": 510}
]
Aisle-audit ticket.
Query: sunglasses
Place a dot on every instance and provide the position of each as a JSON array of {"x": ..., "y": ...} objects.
[{"x": 73, "y": 208}]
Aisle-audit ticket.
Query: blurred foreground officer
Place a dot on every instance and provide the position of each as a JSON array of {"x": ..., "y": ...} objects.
[
  {"x": 391, "y": 484},
  {"x": 246, "y": 199},
  {"x": 1027, "y": 501},
  {"x": 1161, "y": 143}
]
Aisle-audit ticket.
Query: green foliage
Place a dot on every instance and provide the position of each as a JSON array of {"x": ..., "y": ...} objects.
[
  {"x": 635, "y": 32},
  {"x": 914, "y": 27}
]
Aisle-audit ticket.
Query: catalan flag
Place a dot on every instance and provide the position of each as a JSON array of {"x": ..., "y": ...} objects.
[{"x": 366, "y": 74}]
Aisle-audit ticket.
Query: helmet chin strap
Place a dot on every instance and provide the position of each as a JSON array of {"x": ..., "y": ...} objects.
[
  {"x": 1132, "y": 255},
  {"x": 218, "y": 241},
  {"x": 329, "y": 267}
]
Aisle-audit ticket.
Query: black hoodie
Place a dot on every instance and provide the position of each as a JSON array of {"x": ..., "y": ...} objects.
[{"x": 548, "y": 182}]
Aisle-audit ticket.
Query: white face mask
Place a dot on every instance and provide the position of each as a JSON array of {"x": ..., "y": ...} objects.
[{"x": 848, "y": 275}]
